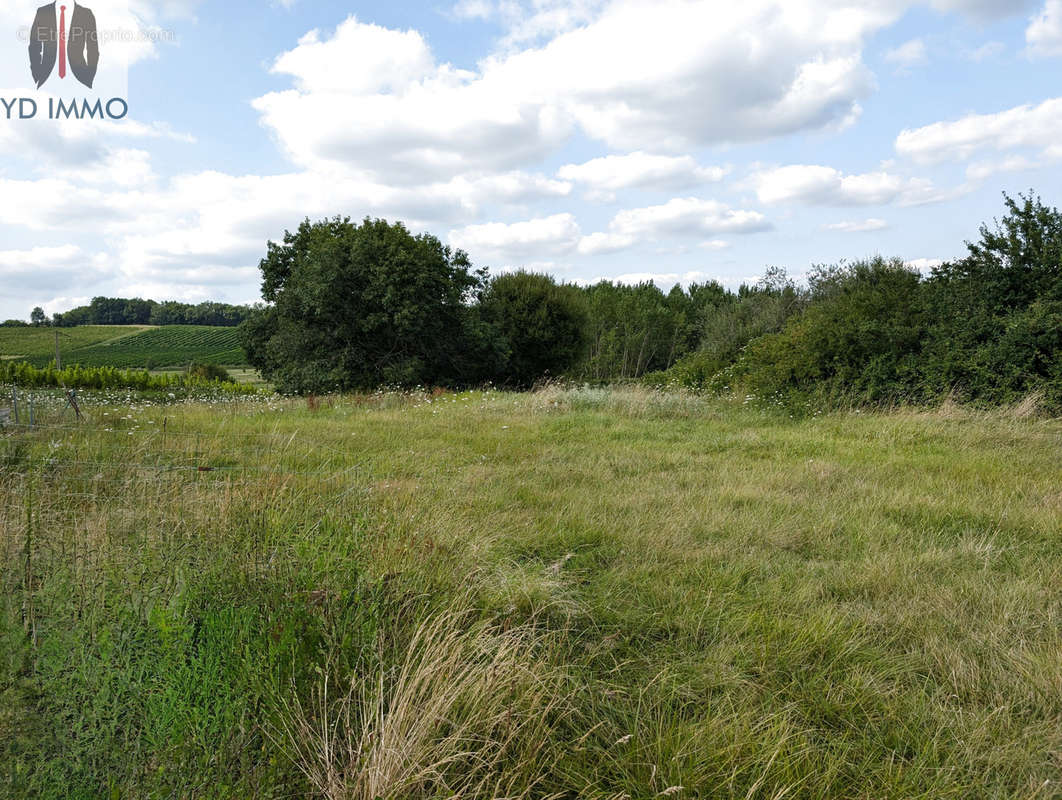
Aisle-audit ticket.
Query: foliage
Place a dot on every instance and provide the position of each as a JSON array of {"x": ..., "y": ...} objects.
[
  {"x": 38, "y": 318},
  {"x": 539, "y": 326},
  {"x": 21, "y": 373},
  {"x": 983, "y": 307},
  {"x": 725, "y": 325},
  {"x": 357, "y": 306},
  {"x": 985, "y": 328},
  {"x": 858, "y": 338},
  {"x": 209, "y": 372},
  {"x": 631, "y": 329},
  {"x": 123, "y": 311}
]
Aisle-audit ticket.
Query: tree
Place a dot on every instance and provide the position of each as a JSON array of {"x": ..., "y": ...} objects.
[
  {"x": 858, "y": 338},
  {"x": 38, "y": 318},
  {"x": 542, "y": 325},
  {"x": 357, "y": 306},
  {"x": 631, "y": 330},
  {"x": 977, "y": 301}
]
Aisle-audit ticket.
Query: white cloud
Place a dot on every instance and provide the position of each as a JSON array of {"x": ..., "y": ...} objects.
[
  {"x": 202, "y": 234},
  {"x": 858, "y": 226},
  {"x": 1022, "y": 126},
  {"x": 546, "y": 236},
  {"x": 1044, "y": 34},
  {"x": 599, "y": 243},
  {"x": 924, "y": 265},
  {"x": 981, "y": 170},
  {"x": 984, "y": 9},
  {"x": 687, "y": 216},
  {"x": 526, "y": 22},
  {"x": 667, "y": 76},
  {"x": 359, "y": 59},
  {"x": 608, "y": 174},
  {"x": 985, "y": 52},
  {"x": 42, "y": 271},
  {"x": 812, "y": 184},
  {"x": 909, "y": 54},
  {"x": 560, "y": 234},
  {"x": 514, "y": 187}
]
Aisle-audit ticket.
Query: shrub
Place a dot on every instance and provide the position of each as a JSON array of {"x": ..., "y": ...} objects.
[
  {"x": 208, "y": 372},
  {"x": 541, "y": 324}
]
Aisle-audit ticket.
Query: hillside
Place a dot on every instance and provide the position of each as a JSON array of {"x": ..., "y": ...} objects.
[
  {"x": 37, "y": 345},
  {"x": 125, "y": 346}
]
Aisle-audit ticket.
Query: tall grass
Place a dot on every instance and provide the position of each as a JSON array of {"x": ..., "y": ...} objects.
[
  {"x": 467, "y": 712},
  {"x": 576, "y": 593}
]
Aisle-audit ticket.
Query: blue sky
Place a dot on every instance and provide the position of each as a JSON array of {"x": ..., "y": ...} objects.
[{"x": 668, "y": 141}]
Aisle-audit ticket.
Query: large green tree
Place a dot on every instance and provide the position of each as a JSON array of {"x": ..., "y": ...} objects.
[
  {"x": 357, "y": 306},
  {"x": 541, "y": 324}
]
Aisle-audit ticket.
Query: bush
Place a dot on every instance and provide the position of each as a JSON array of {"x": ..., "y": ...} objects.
[
  {"x": 541, "y": 325},
  {"x": 859, "y": 338},
  {"x": 208, "y": 372},
  {"x": 359, "y": 306},
  {"x": 21, "y": 373}
]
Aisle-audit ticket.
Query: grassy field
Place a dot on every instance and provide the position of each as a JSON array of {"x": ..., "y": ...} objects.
[
  {"x": 125, "y": 346},
  {"x": 568, "y": 594},
  {"x": 37, "y": 345}
]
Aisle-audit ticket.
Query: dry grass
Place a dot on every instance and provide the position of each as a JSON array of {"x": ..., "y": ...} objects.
[{"x": 468, "y": 715}]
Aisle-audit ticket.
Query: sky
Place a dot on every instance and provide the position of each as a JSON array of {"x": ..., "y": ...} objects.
[{"x": 671, "y": 141}]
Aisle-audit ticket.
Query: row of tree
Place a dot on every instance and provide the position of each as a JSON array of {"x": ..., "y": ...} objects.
[
  {"x": 135, "y": 311},
  {"x": 987, "y": 327},
  {"x": 351, "y": 306}
]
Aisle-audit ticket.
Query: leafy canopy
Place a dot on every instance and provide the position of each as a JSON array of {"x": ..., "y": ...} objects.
[{"x": 359, "y": 306}]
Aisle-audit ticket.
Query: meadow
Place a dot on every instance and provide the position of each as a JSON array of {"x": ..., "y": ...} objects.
[
  {"x": 572, "y": 593},
  {"x": 37, "y": 345},
  {"x": 125, "y": 346}
]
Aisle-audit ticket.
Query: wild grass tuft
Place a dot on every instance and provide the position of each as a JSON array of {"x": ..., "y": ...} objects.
[{"x": 467, "y": 713}]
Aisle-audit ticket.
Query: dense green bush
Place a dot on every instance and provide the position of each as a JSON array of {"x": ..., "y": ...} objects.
[
  {"x": 357, "y": 306},
  {"x": 208, "y": 372},
  {"x": 859, "y": 337},
  {"x": 540, "y": 325},
  {"x": 985, "y": 328},
  {"x": 993, "y": 334},
  {"x": 23, "y": 374}
]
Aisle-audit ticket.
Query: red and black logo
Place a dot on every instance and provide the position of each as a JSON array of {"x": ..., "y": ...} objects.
[{"x": 65, "y": 33}]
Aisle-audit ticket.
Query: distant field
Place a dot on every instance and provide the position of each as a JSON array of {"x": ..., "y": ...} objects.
[
  {"x": 37, "y": 345},
  {"x": 125, "y": 346}
]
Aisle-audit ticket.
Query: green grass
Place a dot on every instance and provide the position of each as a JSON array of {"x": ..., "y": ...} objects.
[
  {"x": 37, "y": 345},
  {"x": 125, "y": 346},
  {"x": 577, "y": 594}
]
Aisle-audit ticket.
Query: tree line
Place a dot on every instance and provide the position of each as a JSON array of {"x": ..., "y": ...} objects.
[
  {"x": 355, "y": 306},
  {"x": 136, "y": 311}
]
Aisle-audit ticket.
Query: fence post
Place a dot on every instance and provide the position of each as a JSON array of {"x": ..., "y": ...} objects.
[{"x": 14, "y": 401}]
